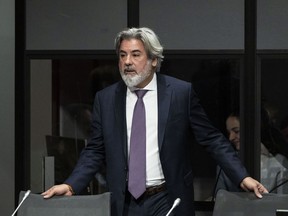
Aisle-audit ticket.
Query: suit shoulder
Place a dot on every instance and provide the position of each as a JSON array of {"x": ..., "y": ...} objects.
[
  {"x": 111, "y": 89},
  {"x": 176, "y": 82}
]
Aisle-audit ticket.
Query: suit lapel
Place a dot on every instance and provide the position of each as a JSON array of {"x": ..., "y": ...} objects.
[
  {"x": 164, "y": 99},
  {"x": 120, "y": 114}
]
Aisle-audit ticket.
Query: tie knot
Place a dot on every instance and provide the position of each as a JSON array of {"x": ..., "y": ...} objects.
[{"x": 140, "y": 93}]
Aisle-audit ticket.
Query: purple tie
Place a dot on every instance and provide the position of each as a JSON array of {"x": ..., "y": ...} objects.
[{"x": 137, "y": 156}]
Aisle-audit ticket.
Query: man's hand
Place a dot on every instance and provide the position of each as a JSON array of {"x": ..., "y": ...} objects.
[
  {"x": 62, "y": 189},
  {"x": 250, "y": 184}
]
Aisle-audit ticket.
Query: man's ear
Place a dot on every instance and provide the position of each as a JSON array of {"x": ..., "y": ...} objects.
[{"x": 154, "y": 62}]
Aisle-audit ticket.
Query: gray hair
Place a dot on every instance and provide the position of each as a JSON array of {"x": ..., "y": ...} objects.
[{"x": 150, "y": 41}]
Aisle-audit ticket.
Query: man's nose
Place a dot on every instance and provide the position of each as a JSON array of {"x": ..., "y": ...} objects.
[{"x": 127, "y": 60}]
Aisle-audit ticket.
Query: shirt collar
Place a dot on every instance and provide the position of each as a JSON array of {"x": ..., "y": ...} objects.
[{"x": 152, "y": 86}]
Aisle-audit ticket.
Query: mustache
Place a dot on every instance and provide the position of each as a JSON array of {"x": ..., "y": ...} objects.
[{"x": 129, "y": 69}]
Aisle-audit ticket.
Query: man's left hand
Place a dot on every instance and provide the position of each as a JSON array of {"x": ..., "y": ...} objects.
[{"x": 250, "y": 184}]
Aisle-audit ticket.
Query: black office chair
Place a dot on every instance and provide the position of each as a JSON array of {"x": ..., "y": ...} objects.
[
  {"x": 244, "y": 203},
  {"x": 84, "y": 205}
]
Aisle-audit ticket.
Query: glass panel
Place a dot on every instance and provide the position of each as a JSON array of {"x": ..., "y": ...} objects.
[
  {"x": 195, "y": 23},
  {"x": 271, "y": 25},
  {"x": 73, "y": 25},
  {"x": 274, "y": 124},
  {"x": 62, "y": 93},
  {"x": 216, "y": 82},
  {"x": 40, "y": 117}
]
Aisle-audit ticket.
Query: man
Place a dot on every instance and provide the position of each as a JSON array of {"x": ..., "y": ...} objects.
[{"x": 172, "y": 115}]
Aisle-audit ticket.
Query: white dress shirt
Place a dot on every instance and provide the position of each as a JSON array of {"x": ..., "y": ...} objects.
[{"x": 154, "y": 173}]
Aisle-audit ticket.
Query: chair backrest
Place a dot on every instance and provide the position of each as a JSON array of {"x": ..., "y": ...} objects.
[
  {"x": 84, "y": 205},
  {"x": 244, "y": 203}
]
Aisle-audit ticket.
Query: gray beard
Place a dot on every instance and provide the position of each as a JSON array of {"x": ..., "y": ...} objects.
[{"x": 133, "y": 81}]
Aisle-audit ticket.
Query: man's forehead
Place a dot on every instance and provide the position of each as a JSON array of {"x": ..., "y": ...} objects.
[{"x": 132, "y": 44}]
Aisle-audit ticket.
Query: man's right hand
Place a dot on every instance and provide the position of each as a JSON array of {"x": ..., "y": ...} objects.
[{"x": 62, "y": 189}]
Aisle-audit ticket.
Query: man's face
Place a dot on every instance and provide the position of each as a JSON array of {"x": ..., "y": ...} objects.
[{"x": 135, "y": 67}]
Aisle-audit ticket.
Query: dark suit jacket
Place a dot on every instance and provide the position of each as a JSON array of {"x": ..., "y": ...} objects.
[
  {"x": 224, "y": 182},
  {"x": 179, "y": 115}
]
